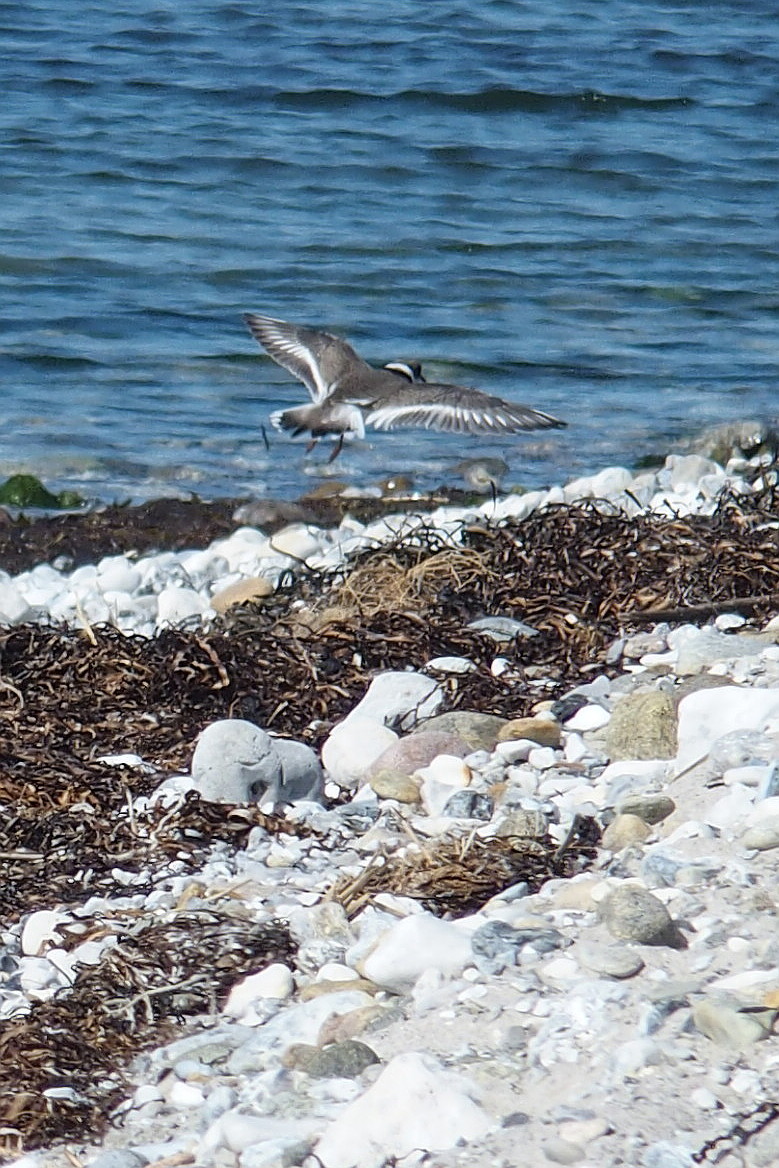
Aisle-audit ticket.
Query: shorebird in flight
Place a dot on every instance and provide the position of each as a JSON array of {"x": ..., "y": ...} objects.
[{"x": 348, "y": 394}]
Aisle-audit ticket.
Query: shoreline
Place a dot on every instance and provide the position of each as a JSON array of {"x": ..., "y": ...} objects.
[{"x": 575, "y": 1015}]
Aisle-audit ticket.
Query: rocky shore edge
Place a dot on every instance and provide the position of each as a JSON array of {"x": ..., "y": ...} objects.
[{"x": 453, "y": 842}]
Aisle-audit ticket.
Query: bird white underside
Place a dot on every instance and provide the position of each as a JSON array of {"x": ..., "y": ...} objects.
[
  {"x": 318, "y": 389},
  {"x": 441, "y": 416}
]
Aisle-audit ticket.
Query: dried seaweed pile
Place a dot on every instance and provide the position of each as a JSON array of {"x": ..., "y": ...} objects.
[
  {"x": 457, "y": 877},
  {"x": 69, "y": 697},
  {"x": 59, "y": 1073}
]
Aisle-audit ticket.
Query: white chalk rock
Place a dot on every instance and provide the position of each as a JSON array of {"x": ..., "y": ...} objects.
[
  {"x": 274, "y": 983},
  {"x": 236, "y": 762},
  {"x": 706, "y": 715},
  {"x": 411, "y": 946},
  {"x": 352, "y": 746},
  {"x": 445, "y": 775},
  {"x": 40, "y": 931},
  {"x": 400, "y": 698},
  {"x": 591, "y": 717},
  {"x": 296, "y": 541},
  {"x": 117, "y": 574},
  {"x": 176, "y": 605},
  {"x": 14, "y": 609},
  {"x": 414, "y": 1104}
]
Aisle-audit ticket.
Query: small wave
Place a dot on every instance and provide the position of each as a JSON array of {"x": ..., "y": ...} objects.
[{"x": 496, "y": 99}]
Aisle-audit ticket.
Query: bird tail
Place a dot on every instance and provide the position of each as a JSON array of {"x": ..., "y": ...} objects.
[{"x": 295, "y": 420}]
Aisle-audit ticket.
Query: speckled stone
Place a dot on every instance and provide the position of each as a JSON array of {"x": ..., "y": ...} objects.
[
  {"x": 633, "y": 914},
  {"x": 623, "y": 831},
  {"x": 339, "y": 1060},
  {"x": 477, "y": 731},
  {"x": 643, "y": 725},
  {"x": 652, "y": 807},
  {"x": 543, "y": 731},
  {"x": 391, "y": 785}
]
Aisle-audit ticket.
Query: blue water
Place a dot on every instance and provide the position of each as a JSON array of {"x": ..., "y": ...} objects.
[{"x": 570, "y": 205}]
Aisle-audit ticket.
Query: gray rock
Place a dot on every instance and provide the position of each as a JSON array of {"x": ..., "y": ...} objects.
[
  {"x": 502, "y": 629},
  {"x": 560, "y": 1151},
  {"x": 468, "y": 804},
  {"x": 660, "y": 870},
  {"x": 496, "y": 945},
  {"x": 633, "y": 914},
  {"x": 643, "y": 725},
  {"x": 400, "y": 699},
  {"x": 301, "y": 771},
  {"x": 733, "y": 439},
  {"x": 664, "y": 1154},
  {"x": 610, "y": 960},
  {"x": 118, "y": 1158},
  {"x": 477, "y": 731},
  {"x": 651, "y": 807},
  {"x": 339, "y": 1060},
  {"x": 236, "y": 762}
]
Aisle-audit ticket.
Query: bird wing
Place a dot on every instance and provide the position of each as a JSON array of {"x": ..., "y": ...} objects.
[
  {"x": 457, "y": 409},
  {"x": 316, "y": 358}
]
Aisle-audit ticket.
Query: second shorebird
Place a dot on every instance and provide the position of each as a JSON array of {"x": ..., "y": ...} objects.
[{"x": 348, "y": 394}]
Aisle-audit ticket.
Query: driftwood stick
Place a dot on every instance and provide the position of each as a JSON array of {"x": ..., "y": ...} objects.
[{"x": 696, "y": 611}]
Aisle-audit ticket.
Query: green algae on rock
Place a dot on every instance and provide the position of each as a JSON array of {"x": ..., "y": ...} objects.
[{"x": 26, "y": 490}]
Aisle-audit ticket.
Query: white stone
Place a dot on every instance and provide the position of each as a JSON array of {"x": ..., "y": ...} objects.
[
  {"x": 515, "y": 749},
  {"x": 412, "y": 945},
  {"x": 445, "y": 775},
  {"x": 610, "y": 481},
  {"x": 236, "y": 762},
  {"x": 574, "y": 748},
  {"x": 185, "y": 1095},
  {"x": 451, "y": 665},
  {"x": 336, "y": 971},
  {"x": 730, "y": 620},
  {"x": 39, "y": 978},
  {"x": 297, "y": 541},
  {"x": 14, "y": 609},
  {"x": 117, "y": 574},
  {"x": 176, "y": 605},
  {"x": 748, "y": 776},
  {"x": 352, "y": 746},
  {"x": 732, "y": 810},
  {"x": 590, "y": 717},
  {"x": 40, "y": 931},
  {"x": 414, "y": 1104},
  {"x": 235, "y": 1131},
  {"x": 542, "y": 758},
  {"x": 747, "y": 979},
  {"x": 706, "y": 715},
  {"x": 275, "y": 983},
  {"x": 400, "y": 698}
]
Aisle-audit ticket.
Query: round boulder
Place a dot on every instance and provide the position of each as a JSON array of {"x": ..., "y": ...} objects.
[{"x": 236, "y": 762}]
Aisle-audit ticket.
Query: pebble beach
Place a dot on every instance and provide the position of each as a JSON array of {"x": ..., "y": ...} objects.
[{"x": 546, "y": 934}]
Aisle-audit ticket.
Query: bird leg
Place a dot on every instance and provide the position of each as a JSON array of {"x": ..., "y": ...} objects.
[{"x": 337, "y": 449}]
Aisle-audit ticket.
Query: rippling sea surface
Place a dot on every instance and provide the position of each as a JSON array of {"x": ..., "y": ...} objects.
[{"x": 570, "y": 205}]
